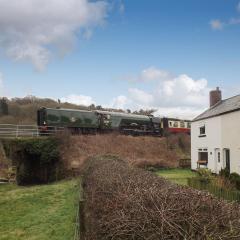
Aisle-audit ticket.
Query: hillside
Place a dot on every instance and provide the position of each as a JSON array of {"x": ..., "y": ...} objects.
[{"x": 24, "y": 110}]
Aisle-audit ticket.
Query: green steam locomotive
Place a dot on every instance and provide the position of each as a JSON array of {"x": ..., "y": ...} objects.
[{"x": 87, "y": 122}]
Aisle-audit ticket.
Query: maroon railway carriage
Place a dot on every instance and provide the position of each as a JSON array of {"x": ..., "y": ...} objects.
[{"x": 174, "y": 126}]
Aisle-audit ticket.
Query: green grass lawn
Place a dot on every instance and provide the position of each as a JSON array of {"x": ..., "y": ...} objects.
[
  {"x": 178, "y": 176},
  {"x": 41, "y": 212}
]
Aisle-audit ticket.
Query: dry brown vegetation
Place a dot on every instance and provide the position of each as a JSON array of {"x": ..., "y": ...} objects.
[
  {"x": 139, "y": 151},
  {"x": 24, "y": 110},
  {"x": 123, "y": 202}
]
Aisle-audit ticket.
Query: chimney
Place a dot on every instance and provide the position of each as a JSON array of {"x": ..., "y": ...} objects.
[{"x": 215, "y": 96}]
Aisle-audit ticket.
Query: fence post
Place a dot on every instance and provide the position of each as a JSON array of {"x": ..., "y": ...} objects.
[{"x": 81, "y": 218}]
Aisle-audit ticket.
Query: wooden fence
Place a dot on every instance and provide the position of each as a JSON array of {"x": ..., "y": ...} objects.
[{"x": 15, "y": 131}]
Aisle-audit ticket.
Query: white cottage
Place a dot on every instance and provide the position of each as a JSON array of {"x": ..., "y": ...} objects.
[{"x": 215, "y": 135}]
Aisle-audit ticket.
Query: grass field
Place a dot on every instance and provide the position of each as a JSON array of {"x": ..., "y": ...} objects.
[
  {"x": 38, "y": 212},
  {"x": 178, "y": 176}
]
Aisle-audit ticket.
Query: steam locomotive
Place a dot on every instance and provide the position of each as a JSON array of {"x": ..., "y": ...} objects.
[{"x": 85, "y": 122}]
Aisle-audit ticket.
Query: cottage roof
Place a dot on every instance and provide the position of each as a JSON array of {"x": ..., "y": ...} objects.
[{"x": 223, "y": 107}]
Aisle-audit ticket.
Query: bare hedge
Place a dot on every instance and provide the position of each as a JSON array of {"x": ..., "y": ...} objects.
[{"x": 123, "y": 202}]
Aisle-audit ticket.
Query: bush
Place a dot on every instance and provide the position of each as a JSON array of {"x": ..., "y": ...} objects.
[
  {"x": 126, "y": 203},
  {"x": 224, "y": 173},
  {"x": 204, "y": 175},
  {"x": 235, "y": 179}
]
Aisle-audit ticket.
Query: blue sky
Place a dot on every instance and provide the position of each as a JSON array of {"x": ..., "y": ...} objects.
[{"x": 162, "y": 54}]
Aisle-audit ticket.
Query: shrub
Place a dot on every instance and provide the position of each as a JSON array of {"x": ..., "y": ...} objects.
[
  {"x": 235, "y": 179},
  {"x": 204, "y": 175},
  {"x": 224, "y": 173},
  {"x": 126, "y": 203}
]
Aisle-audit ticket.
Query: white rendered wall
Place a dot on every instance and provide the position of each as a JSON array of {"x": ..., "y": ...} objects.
[
  {"x": 210, "y": 142},
  {"x": 231, "y": 138}
]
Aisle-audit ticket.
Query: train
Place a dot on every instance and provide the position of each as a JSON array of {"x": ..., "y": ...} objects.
[{"x": 98, "y": 121}]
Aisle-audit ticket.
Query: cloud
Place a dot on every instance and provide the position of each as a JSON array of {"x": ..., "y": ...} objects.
[
  {"x": 173, "y": 96},
  {"x": 119, "y": 102},
  {"x": 182, "y": 91},
  {"x": 33, "y": 29},
  {"x": 78, "y": 99},
  {"x": 216, "y": 24},
  {"x": 140, "y": 97},
  {"x": 152, "y": 73},
  {"x": 178, "y": 112}
]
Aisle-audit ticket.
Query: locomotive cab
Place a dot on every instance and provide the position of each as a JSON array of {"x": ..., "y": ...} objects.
[{"x": 41, "y": 117}]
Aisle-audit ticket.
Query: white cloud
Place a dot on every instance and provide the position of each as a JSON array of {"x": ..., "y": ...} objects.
[
  {"x": 182, "y": 91},
  {"x": 140, "y": 97},
  {"x": 152, "y": 73},
  {"x": 78, "y": 99},
  {"x": 216, "y": 24},
  {"x": 30, "y": 28},
  {"x": 119, "y": 102},
  {"x": 178, "y": 112},
  {"x": 174, "y": 96}
]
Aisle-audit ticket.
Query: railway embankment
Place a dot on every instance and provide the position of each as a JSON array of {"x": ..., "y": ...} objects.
[
  {"x": 141, "y": 151},
  {"x": 46, "y": 159}
]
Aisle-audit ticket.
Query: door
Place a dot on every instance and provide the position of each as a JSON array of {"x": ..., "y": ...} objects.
[
  {"x": 218, "y": 163},
  {"x": 227, "y": 159}
]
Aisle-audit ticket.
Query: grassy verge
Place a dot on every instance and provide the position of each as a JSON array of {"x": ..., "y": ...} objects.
[
  {"x": 38, "y": 212},
  {"x": 178, "y": 176}
]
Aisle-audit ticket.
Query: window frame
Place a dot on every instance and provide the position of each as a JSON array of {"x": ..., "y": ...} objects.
[{"x": 202, "y": 131}]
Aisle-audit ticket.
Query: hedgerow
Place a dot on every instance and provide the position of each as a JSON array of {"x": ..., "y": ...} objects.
[{"x": 123, "y": 202}]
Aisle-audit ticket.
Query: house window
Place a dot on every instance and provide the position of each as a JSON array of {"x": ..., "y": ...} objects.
[
  {"x": 202, "y": 131},
  {"x": 188, "y": 125},
  {"x": 219, "y": 157},
  {"x": 202, "y": 158}
]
